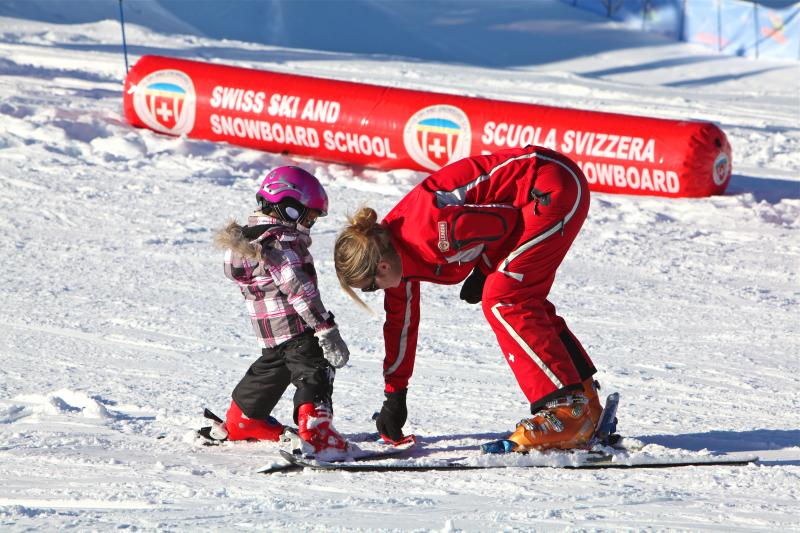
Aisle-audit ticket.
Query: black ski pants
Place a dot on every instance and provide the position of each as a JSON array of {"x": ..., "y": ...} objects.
[{"x": 298, "y": 361}]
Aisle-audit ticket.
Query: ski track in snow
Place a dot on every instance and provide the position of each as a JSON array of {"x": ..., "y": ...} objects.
[{"x": 117, "y": 325}]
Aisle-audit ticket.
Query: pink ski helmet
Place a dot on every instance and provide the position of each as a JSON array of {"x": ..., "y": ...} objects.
[{"x": 292, "y": 192}]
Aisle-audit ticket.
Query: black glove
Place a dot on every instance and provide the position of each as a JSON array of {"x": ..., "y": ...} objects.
[
  {"x": 472, "y": 289},
  {"x": 393, "y": 415}
]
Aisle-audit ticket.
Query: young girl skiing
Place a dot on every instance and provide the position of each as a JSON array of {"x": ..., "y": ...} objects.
[{"x": 300, "y": 343}]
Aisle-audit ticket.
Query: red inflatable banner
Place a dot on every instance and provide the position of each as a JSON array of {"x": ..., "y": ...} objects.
[{"x": 390, "y": 128}]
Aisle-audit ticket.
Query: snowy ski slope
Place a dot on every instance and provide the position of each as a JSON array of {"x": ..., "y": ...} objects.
[{"x": 117, "y": 326}]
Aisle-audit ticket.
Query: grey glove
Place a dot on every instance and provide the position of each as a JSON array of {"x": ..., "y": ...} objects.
[{"x": 333, "y": 347}]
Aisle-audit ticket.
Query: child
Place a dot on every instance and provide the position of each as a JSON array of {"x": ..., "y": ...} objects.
[{"x": 269, "y": 259}]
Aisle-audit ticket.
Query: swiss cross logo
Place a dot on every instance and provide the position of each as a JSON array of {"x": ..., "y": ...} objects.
[
  {"x": 722, "y": 168},
  {"x": 165, "y": 101},
  {"x": 438, "y": 135}
]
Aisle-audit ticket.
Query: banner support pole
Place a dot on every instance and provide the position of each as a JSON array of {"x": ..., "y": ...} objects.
[{"x": 124, "y": 42}]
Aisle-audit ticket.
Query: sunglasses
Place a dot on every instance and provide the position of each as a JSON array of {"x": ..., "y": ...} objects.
[{"x": 372, "y": 287}]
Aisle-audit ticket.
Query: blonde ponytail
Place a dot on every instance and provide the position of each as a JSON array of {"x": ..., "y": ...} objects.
[{"x": 358, "y": 250}]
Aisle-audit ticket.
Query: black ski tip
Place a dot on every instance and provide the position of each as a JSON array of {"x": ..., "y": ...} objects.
[
  {"x": 204, "y": 434},
  {"x": 211, "y": 416}
]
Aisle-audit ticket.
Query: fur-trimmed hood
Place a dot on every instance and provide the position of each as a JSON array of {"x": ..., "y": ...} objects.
[{"x": 248, "y": 241}]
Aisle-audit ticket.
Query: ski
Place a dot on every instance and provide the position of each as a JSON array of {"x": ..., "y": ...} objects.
[
  {"x": 604, "y": 450},
  {"x": 215, "y": 435},
  {"x": 212, "y": 435},
  {"x": 296, "y": 461},
  {"x": 594, "y": 461}
]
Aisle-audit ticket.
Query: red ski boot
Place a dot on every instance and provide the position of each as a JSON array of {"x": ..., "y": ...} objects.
[
  {"x": 240, "y": 427},
  {"x": 315, "y": 427}
]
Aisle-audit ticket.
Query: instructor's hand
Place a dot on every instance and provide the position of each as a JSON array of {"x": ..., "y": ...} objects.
[
  {"x": 472, "y": 289},
  {"x": 333, "y": 347},
  {"x": 393, "y": 415}
]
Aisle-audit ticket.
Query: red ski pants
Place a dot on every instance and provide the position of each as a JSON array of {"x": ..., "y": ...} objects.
[{"x": 544, "y": 355}]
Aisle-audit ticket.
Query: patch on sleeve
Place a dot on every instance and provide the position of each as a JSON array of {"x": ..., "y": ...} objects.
[{"x": 444, "y": 244}]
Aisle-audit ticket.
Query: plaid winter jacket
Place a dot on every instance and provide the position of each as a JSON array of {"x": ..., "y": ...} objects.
[{"x": 270, "y": 262}]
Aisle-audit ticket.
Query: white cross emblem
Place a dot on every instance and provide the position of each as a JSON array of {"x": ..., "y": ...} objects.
[
  {"x": 164, "y": 111},
  {"x": 437, "y": 147},
  {"x": 511, "y": 357}
]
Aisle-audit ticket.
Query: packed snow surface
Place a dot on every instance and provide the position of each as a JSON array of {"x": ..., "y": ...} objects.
[{"x": 117, "y": 326}]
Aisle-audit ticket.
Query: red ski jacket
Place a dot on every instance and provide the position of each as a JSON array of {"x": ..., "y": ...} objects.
[{"x": 463, "y": 215}]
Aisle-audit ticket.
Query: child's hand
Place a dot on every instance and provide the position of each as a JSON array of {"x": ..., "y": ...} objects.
[{"x": 333, "y": 347}]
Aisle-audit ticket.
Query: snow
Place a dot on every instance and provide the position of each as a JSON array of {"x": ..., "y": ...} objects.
[{"x": 117, "y": 326}]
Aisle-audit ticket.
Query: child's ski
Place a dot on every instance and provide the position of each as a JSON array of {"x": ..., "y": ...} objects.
[
  {"x": 297, "y": 461},
  {"x": 215, "y": 434},
  {"x": 592, "y": 461},
  {"x": 604, "y": 450}
]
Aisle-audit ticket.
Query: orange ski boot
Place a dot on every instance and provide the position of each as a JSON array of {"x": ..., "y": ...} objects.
[
  {"x": 590, "y": 388},
  {"x": 564, "y": 423}
]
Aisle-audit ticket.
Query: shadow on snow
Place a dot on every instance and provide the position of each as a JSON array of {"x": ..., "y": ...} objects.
[
  {"x": 770, "y": 190},
  {"x": 732, "y": 441}
]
